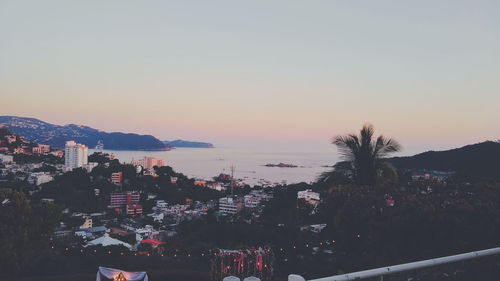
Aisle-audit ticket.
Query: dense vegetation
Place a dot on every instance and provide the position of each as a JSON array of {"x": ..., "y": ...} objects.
[
  {"x": 24, "y": 232},
  {"x": 32, "y": 158},
  {"x": 77, "y": 189},
  {"x": 474, "y": 161},
  {"x": 374, "y": 217}
]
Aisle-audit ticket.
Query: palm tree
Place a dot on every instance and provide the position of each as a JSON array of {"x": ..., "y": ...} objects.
[{"x": 365, "y": 153}]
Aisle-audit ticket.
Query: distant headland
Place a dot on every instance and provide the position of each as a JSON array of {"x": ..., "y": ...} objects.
[
  {"x": 56, "y": 136},
  {"x": 190, "y": 144}
]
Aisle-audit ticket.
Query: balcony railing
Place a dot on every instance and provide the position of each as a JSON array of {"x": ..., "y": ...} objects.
[{"x": 401, "y": 267}]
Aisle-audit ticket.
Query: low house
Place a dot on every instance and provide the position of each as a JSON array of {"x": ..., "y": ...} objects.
[{"x": 95, "y": 231}]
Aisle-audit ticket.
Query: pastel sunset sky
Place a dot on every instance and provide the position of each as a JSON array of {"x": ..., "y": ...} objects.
[{"x": 232, "y": 72}]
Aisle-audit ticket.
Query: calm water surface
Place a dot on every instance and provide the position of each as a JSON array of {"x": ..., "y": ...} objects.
[{"x": 205, "y": 163}]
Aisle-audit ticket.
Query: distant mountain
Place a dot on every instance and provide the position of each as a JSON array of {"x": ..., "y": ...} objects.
[
  {"x": 56, "y": 136},
  {"x": 480, "y": 160},
  {"x": 184, "y": 143}
]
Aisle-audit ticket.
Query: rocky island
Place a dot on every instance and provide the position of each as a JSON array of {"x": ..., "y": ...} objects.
[{"x": 282, "y": 165}]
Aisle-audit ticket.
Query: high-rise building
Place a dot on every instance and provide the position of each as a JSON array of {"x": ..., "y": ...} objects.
[
  {"x": 149, "y": 162},
  {"x": 75, "y": 155}
]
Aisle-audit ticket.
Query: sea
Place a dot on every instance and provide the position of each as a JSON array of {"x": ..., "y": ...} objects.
[{"x": 249, "y": 162}]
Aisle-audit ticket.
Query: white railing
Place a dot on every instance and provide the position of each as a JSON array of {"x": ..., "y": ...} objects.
[{"x": 401, "y": 267}]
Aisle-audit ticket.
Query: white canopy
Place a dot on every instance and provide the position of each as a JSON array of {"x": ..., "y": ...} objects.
[
  {"x": 105, "y": 240},
  {"x": 251, "y": 278},
  {"x": 111, "y": 273}
]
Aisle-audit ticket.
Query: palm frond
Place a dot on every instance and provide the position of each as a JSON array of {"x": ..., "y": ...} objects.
[
  {"x": 348, "y": 146},
  {"x": 364, "y": 152}
]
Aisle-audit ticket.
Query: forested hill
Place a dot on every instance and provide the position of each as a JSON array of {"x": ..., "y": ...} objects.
[
  {"x": 56, "y": 136},
  {"x": 477, "y": 160}
]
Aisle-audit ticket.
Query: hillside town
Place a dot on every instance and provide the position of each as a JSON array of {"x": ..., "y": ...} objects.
[
  {"x": 146, "y": 209},
  {"x": 123, "y": 214}
]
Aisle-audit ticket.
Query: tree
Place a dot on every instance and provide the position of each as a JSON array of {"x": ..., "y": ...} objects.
[
  {"x": 24, "y": 231},
  {"x": 365, "y": 153}
]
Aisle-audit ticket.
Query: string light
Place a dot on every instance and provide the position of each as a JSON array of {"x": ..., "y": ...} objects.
[{"x": 285, "y": 252}]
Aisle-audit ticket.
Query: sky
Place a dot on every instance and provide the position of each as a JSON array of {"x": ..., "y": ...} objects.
[{"x": 257, "y": 72}]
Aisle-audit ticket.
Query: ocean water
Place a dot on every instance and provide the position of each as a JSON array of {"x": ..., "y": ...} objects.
[{"x": 249, "y": 163}]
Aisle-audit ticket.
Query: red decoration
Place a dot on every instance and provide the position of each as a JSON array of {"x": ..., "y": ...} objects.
[{"x": 243, "y": 263}]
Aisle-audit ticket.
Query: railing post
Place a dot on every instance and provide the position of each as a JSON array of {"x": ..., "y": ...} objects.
[{"x": 295, "y": 277}]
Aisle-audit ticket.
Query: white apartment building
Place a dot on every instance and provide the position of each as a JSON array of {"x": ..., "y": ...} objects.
[
  {"x": 230, "y": 205},
  {"x": 308, "y": 195},
  {"x": 75, "y": 155}
]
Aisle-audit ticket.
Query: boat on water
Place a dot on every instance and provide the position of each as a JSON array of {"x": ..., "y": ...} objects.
[{"x": 99, "y": 145}]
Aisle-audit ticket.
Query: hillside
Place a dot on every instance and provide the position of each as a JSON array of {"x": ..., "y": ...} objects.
[
  {"x": 4, "y": 131},
  {"x": 10, "y": 142},
  {"x": 56, "y": 136},
  {"x": 477, "y": 160},
  {"x": 193, "y": 144}
]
